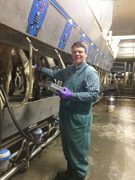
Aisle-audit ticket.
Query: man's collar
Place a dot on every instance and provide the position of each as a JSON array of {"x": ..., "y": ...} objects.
[{"x": 81, "y": 66}]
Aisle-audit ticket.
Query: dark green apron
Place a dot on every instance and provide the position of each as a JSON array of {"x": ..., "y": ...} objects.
[{"x": 75, "y": 124}]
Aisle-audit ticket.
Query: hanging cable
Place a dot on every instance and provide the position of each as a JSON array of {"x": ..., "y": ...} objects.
[
  {"x": 19, "y": 153},
  {"x": 13, "y": 117}
]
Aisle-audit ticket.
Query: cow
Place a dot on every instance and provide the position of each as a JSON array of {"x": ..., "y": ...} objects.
[
  {"x": 16, "y": 57},
  {"x": 13, "y": 56}
]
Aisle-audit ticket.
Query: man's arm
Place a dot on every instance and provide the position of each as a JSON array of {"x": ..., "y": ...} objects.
[{"x": 59, "y": 74}]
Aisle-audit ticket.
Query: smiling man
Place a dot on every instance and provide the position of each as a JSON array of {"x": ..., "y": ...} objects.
[
  {"x": 81, "y": 89},
  {"x": 79, "y": 54}
]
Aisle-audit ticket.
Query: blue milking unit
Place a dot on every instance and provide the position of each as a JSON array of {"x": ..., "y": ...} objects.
[
  {"x": 37, "y": 135},
  {"x": 4, "y": 159},
  {"x": 37, "y": 15}
]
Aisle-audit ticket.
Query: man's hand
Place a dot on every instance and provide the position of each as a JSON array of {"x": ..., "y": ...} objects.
[{"x": 66, "y": 94}]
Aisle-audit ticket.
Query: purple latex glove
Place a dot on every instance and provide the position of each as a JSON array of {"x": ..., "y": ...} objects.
[
  {"x": 37, "y": 66},
  {"x": 66, "y": 94}
]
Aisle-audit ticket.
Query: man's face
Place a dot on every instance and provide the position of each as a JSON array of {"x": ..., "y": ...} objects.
[{"x": 78, "y": 55}]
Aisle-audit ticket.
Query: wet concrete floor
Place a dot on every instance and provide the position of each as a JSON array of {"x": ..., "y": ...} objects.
[{"x": 112, "y": 153}]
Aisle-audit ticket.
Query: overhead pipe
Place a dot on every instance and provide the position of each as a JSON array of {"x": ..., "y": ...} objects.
[{"x": 14, "y": 119}]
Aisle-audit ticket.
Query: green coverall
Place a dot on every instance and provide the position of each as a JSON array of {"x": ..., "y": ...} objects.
[
  {"x": 75, "y": 124},
  {"x": 76, "y": 113}
]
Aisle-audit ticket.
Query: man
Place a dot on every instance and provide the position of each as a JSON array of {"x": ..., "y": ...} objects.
[{"x": 81, "y": 88}]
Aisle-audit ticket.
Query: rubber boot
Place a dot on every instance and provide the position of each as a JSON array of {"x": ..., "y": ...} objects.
[
  {"x": 65, "y": 175},
  {"x": 79, "y": 178},
  {"x": 76, "y": 177}
]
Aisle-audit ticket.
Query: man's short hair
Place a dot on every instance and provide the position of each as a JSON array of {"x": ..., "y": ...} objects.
[{"x": 80, "y": 44}]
